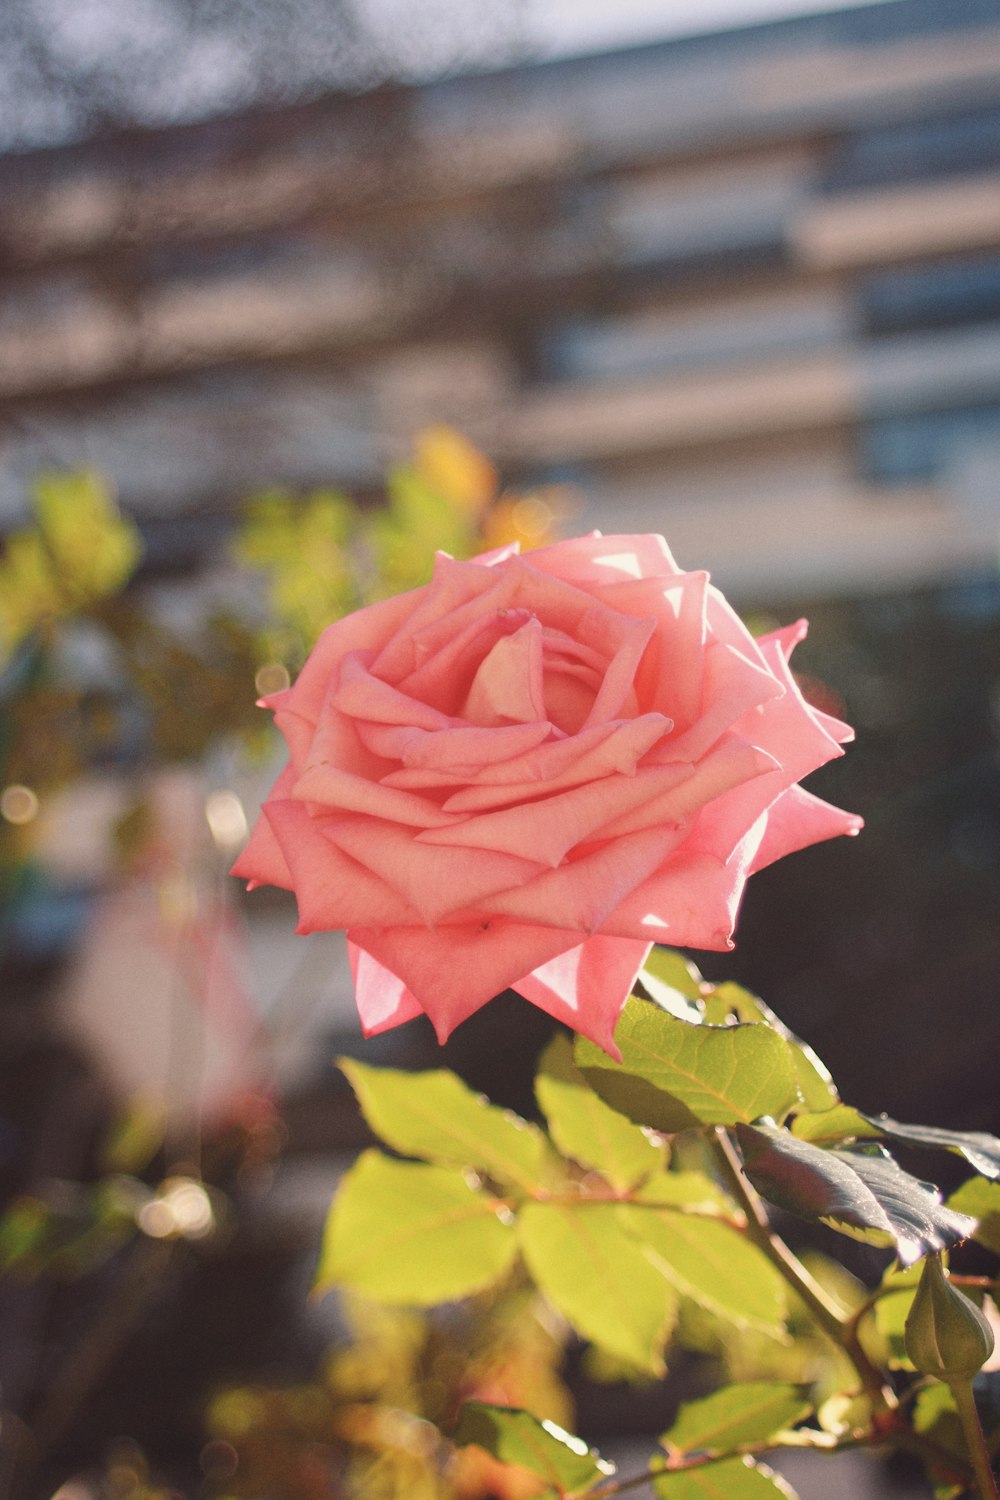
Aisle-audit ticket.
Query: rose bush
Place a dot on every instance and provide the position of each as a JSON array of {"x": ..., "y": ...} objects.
[{"x": 529, "y": 770}]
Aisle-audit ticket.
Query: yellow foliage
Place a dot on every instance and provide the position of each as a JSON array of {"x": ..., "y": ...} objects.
[{"x": 80, "y": 550}]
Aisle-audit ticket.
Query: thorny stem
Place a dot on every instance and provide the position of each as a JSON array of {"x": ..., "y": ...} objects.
[{"x": 975, "y": 1439}]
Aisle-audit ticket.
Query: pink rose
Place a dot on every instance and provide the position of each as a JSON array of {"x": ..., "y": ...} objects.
[{"x": 531, "y": 769}]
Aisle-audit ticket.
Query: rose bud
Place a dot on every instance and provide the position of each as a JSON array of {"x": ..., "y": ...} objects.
[{"x": 945, "y": 1335}]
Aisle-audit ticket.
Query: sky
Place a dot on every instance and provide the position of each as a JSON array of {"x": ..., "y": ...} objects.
[{"x": 569, "y": 26}]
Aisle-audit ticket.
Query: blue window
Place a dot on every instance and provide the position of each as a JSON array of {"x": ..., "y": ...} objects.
[
  {"x": 932, "y": 296},
  {"x": 938, "y": 147},
  {"x": 921, "y": 446}
]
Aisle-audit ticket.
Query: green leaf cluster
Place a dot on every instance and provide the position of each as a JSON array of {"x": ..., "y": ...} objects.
[
  {"x": 591, "y": 1207},
  {"x": 637, "y": 1208}
]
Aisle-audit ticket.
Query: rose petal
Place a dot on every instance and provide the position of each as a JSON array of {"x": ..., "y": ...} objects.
[
  {"x": 599, "y": 751},
  {"x": 497, "y": 554},
  {"x": 799, "y": 819},
  {"x": 599, "y": 559},
  {"x": 788, "y": 637},
  {"x": 454, "y": 970},
  {"x": 364, "y": 630},
  {"x": 453, "y": 584},
  {"x": 691, "y": 903},
  {"x": 800, "y": 741},
  {"x": 445, "y": 675},
  {"x": 732, "y": 685},
  {"x": 582, "y": 894},
  {"x": 669, "y": 676},
  {"x": 460, "y": 753},
  {"x": 508, "y": 683},
  {"x": 297, "y": 733},
  {"x": 618, "y": 687},
  {"x": 362, "y": 695},
  {"x": 434, "y": 882},
  {"x": 548, "y": 829},
  {"x": 731, "y": 763},
  {"x": 383, "y": 1000},
  {"x": 262, "y": 862},
  {"x": 587, "y": 986},
  {"x": 331, "y": 889}
]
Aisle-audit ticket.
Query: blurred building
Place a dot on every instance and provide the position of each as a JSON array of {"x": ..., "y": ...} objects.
[{"x": 743, "y": 288}]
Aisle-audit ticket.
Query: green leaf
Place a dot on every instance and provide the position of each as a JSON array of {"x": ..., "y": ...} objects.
[
  {"x": 842, "y": 1122},
  {"x": 585, "y": 1128},
  {"x": 516, "y": 1437},
  {"x": 713, "y": 1264},
  {"x": 669, "y": 967},
  {"x": 600, "y": 1278},
  {"x": 730, "y": 1479},
  {"x": 982, "y": 1200},
  {"x": 829, "y": 1127},
  {"x": 980, "y": 1150},
  {"x": 676, "y": 1076},
  {"x": 405, "y": 1232},
  {"x": 748, "y": 1413},
  {"x": 815, "y": 1082},
  {"x": 868, "y": 1197},
  {"x": 436, "y": 1116},
  {"x": 935, "y": 1415},
  {"x": 695, "y": 1192},
  {"x": 920, "y": 1221},
  {"x": 897, "y": 1291},
  {"x": 674, "y": 985}
]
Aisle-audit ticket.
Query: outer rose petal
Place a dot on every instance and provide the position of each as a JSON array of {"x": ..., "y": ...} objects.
[
  {"x": 454, "y": 970},
  {"x": 365, "y": 630},
  {"x": 691, "y": 902},
  {"x": 599, "y": 559},
  {"x": 797, "y": 820},
  {"x": 383, "y": 1000},
  {"x": 332, "y": 890},
  {"x": 262, "y": 862},
  {"x": 587, "y": 986},
  {"x": 433, "y": 882}
]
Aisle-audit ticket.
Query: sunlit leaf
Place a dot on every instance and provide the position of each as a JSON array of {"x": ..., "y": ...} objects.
[
  {"x": 693, "y": 1191},
  {"x": 869, "y": 1197},
  {"x": 673, "y": 984},
  {"x": 405, "y": 1232},
  {"x": 713, "y": 1264},
  {"x": 516, "y": 1437},
  {"x": 829, "y": 1127},
  {"x": 672, "y": 968},
  {"x": 981, "y": 1199},
  {"x": 813, "y": 1076},
  {"x": 600, "y": 1277},
  {"x": 936, "y": 1416},
  {"x": 585, "y": 1128},
  {"x": 751, "y": 1412},
  {"x": 729, "y": 1479},
  {"x": 436, "y": 1116},
  {"x": 675, "y": 1076},
  {"x": 897, "y": 1291}
]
